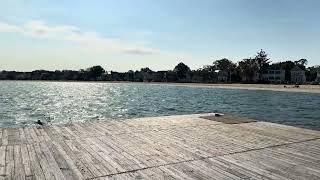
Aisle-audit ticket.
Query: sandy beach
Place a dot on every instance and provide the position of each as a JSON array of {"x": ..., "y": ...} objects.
[{"x": 269, "y": 87}]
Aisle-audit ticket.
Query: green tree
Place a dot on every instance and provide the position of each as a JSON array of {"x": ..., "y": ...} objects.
[
  {"x": 301, "y": 63},
  {"x": 225, "y": 65},
  {"x": 181, "y": 69},
  {"x": 208, "y": 68},
  {"x": 94, "y": 72},
  {"x": 263, "y": 62},
  {"x": 205, "y": 74},
  {"x": 129, "y": 75},
  {"x": 248, "y": 69},
  {"x": 287, "y": 66},
  {"x": 311, "y": 73},
  {"x": 146, "y": 70}
]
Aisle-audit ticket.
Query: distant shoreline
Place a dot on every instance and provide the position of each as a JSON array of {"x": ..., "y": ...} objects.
[{"x": 267, "y": 87}]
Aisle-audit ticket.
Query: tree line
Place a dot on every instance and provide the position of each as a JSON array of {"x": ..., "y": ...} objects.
[{"x": 248, "y": 70}]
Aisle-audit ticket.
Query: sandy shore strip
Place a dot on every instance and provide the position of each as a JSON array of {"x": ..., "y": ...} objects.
[{"x": 268, "y": 87}]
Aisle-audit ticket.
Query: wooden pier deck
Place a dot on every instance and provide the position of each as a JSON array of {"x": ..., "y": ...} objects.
[{"x": 173, "y": 147}]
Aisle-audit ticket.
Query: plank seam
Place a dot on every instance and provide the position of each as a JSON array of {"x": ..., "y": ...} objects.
[{"x": 207, "y": 157}]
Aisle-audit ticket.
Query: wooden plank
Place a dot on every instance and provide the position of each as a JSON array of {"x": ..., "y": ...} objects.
[
  {"x": 47, "y": 171},
  {"x": 10, "y": 162},
  {"x": 44, "y": 135},
  {"x": 280, "y": 165},
  {"x": 54, "y": 168},
  {"x": 65, "y": 163},
  {"x": 13, "y": 136},
  {"x": 105, "y": 166},
  {"x": 125, "y": 155},
  {"x": 286, "y": 133},
  {"x": 1, "y": 132},
  {"x": 71, "y": 134},
  {"x": 4, "y": 137},
  {"x": 26, "y": 162},
  {"x": 27, "y": 135},
  {"x": 201, "y": 168},
  {"x": 109, "y": 154},
  {"x": 86, "y": 173},
  {"x": 2, "y": 161},
  {"x": 90, "y": 161},
  {"x": 18, "y": 165},
  {"x": 136, "y": 149},
  {"x": 257, "y": 167},
  {"x": 34, "y": 135},
  {"x": 22, "y": 136},
  {"x": 37, "y": 171},
  {"x": 239, "y": 171}
]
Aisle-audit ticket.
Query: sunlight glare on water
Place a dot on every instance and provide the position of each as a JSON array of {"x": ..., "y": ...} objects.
[{"x": 23, "y": 103}]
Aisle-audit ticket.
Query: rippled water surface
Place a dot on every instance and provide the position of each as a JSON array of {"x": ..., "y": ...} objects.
[{"x": 23, "y": 103}]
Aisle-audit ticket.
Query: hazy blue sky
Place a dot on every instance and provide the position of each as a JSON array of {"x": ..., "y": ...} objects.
[{"x": 130, "y": 34}]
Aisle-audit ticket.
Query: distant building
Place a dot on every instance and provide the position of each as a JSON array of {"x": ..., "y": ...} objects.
[
  {"x": 253, "y": 78},
  {"x": 318, "y": 75},
  {"x": 274, "y": 76},
  {"x": 298, "y": 76},
  {"x": 159, "y": 76},
  {"x": 115, "y": 76},
  {"x": 222, "y": 76},
  {"x": 147, "y": 76},
  {"x": 138, "y": 76},
  {"x": 104, "y": 77},
  {"x": 3, "y": 75},
  {"x": 171, "y": 76}
]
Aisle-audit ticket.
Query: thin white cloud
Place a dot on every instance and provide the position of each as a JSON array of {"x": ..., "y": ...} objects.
[
  {"x": 39, "y": 29},
  {"x": 4, "y": 27}
]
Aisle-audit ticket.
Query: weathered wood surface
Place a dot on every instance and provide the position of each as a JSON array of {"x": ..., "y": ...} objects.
[{"x": 173, "y": 147}]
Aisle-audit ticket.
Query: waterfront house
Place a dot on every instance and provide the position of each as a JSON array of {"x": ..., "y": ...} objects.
[
  {"x": 274, "y": 76},
  {"x": 222, "y": 76},
  {"x": 252, "y": 77},
  {"x": 318, "y": 75},
  {"x": 147, "y": 76},
  {"x": 298, "y": 76}
]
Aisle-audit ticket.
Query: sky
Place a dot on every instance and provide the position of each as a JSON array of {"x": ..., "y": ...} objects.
[{"x": 127, "y": 35}]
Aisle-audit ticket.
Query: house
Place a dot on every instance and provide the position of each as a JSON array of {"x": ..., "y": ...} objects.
[
  {"x": 274, "y": 76},
  {"x": 3, "y": 75},
  {"x": 298, "y": 76},
  {"x": 318, "y": 75},
  {"x": 222, "y": 76},
  {"x": 251, "y": 77},
  {"x": 147, "y": 76}
]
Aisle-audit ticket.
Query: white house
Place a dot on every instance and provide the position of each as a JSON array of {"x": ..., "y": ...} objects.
[
  {"x": 221, "y": 75},
  {"x": 274, "y": 76},
  {"x": 298, "y": 76}
]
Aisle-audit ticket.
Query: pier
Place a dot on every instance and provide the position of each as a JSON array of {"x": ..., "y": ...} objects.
[{"x": 198, "y": 146}]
